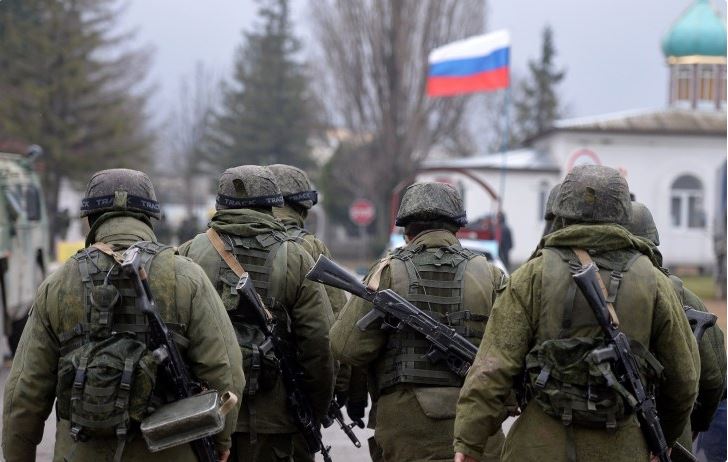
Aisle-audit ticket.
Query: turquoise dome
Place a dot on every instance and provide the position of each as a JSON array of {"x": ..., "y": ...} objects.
[{"x": 700, "y": 31}]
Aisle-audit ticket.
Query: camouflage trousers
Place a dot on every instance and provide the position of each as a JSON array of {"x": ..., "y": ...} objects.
[
  {"x": 270, "y": 447},
  {"x": 300, "y": 450},
  {"x": 405, "y": 431}
]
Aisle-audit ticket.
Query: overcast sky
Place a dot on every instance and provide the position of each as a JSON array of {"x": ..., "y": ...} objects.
[{"x": 611, "y": 49}]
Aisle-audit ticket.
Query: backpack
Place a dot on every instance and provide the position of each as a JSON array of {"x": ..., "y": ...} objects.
[
  {"x": 106, "y": 373},
  {"x": 569, "y": 384},
  {"x": 562, "y": 374}
]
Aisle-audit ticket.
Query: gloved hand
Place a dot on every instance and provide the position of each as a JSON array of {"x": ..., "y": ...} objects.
[
  {"x": 355, "y": 411},
  {"x": 341, "y": 398}
]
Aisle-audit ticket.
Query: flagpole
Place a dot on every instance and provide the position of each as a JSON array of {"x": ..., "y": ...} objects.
[{"x": 505, "y": 145}]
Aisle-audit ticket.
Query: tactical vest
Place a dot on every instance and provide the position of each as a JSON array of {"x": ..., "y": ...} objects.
[
  {"x": 432, "y": 280},
  {"x": 298, "y": 234},
  {"x": 561, "y": 375},
  {"x": 260, "y": 255},
  {"x": 106, "y": 375}
]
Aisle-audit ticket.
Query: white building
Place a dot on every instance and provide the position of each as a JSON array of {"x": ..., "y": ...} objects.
[{"x": 672, "y": 157}]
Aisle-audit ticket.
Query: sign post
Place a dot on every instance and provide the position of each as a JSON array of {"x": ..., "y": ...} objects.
[{"x": 362, "y": 213}]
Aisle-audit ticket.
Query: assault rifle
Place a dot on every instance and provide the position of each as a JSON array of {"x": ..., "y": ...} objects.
[
  {"x": 251, "y": 308},
  {"x": 335, "y": 415},
  {"x": 163, "y": 347},
  {"x": 624, "y": 362},
  {"x": 395, "y": 313},
  {"x": 700, "y": 321}
]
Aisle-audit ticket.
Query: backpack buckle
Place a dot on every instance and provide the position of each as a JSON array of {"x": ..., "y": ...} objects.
[
  {"x": 77, "y": 434},
  {"x": 543, "y": 377},
  {"x": 79, "y": 378}
]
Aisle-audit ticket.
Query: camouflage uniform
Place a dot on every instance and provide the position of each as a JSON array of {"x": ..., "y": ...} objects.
[
  {"x": 540, "y": 307},
  {"x": 416, "y": 405},
  {"x": 185, "y": 299},
  {"x": 711, "y": 347},
  {"x": 277, "y": 265},
  {"x": 299, "y": 198}
]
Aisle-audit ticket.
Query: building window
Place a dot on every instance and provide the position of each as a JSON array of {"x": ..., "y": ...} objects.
[
  {"x": 707, "y": 83},
  {"x": 686, "y": 203},
  {"x": 684, "y": 83}
]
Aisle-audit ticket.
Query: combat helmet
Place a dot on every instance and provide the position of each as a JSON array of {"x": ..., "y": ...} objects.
[
  {"x": 295, "y": 185},
  {"x": 594, "y": 194},
  {"x": 248, "y": 186},
  {"x": 548, "y": 212},
  {"x": 642, "y": 224},
  {"x": 431, "y": 201},
  {"x": 120, "y": 189}
]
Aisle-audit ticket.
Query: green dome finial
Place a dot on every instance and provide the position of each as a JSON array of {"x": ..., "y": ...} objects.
[{"x": 700, "y": 31}]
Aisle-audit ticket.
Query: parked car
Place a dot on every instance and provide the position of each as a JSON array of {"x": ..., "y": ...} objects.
[{"x": 24, "y": 240}]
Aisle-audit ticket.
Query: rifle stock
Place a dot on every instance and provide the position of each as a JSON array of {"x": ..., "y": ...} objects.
[
  {"x": 700, "y": 321},
  {"x": 329, "y": 273}
]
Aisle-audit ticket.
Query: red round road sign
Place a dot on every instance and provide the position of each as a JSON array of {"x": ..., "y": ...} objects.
[{"x": 362, "y": 212}]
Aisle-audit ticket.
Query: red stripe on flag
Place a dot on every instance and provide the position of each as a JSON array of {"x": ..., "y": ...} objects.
[{"x": 484, "y": 81}]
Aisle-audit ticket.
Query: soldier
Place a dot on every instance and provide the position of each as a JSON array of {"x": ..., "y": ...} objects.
[
  {"x": 244, "y": 232},
  {"x": 77, "y": 309},
  {"x": 711, "y": 347},
  {"x": 298, "y": 198},
  {"x": 542, "y": 323},
  {"x": 416, "y": 403}
]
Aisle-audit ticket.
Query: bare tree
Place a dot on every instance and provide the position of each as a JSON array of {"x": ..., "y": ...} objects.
[
  {"x": 190, "y": 125},
  {"x": 374, "y": 74}
]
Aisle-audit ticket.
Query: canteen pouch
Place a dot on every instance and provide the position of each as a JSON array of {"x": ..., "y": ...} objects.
[
  {"x": 186, "y": 420},
  {"x": 437, "y": 403}
]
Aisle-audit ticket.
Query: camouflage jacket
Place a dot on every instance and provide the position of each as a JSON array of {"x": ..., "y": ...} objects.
[
  {"x": 404, "y": 411},
  {"x": 294, "y": 223},
  {"x": 514, "y": 329},
  {"x": 712, "y": 362},
  {"x": 212, "y": 353},
  {"x": 306, "y": 303}
]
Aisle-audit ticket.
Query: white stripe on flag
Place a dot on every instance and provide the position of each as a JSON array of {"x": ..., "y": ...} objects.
[{"x": 479, "y": 45}]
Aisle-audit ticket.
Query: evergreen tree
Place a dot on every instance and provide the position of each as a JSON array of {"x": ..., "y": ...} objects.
[
  {"x": 536, "y": 100},
  {"x": 265, "y": 116},
  {"x": 69, "y": 85}
]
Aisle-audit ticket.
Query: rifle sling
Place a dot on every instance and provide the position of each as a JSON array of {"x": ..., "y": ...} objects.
[
  {"x": 108, "y": 250},
  {"x": 586, "y": 260},
  {"x": 226, "y": 255},
  {"x": 377, "y": 273}
]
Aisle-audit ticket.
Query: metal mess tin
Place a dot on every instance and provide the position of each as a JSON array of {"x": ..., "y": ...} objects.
[{"x": 186, "y": 420}]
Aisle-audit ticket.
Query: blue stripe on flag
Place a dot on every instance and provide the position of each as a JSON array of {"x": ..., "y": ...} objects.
[{"x": 468, "y": 66}]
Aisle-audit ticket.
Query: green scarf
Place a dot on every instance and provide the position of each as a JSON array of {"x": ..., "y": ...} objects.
[
  {"x": 600, "y": 238},
  {"x": 245, "y": 222},
  {"x": 124, "y": 226}
]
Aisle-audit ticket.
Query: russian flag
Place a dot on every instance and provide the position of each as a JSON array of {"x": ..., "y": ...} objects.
[{"x": 475, "y": 64}]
